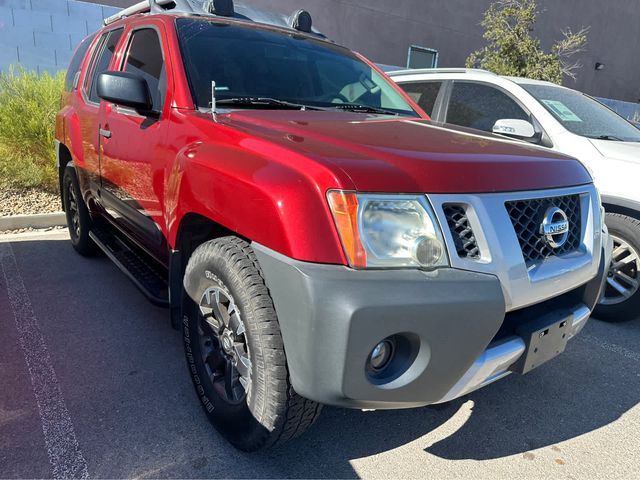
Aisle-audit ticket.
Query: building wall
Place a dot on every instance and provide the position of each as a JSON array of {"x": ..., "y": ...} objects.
[
  {"x": 383, "y": 30},
  {"x": 42, "y": 34}
]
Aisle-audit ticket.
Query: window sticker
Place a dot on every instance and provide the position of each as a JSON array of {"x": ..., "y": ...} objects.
[{"x": 562, "y": 111}]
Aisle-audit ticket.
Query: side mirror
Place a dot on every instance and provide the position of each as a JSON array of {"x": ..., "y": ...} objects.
[
  {"x": 514, "y": 128},
  {"x": 127, "y": 90}
]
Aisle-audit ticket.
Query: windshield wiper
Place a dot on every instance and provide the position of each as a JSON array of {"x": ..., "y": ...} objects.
[
  {"x": 605, "y": 137},
  {"x": 355, "y": 107},
  {"x": 264, "y": 101}
]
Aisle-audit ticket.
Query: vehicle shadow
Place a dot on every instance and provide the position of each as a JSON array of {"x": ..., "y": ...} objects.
[
  {"x": 585, "y": 390},
  {"x": 342, "y": 435},
  {"x": 592, "y": 385},
  {"x": 582, "y": 391}
]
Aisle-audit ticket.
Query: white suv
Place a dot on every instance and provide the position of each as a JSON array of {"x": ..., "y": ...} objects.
[{"x": 564, "y": 120}]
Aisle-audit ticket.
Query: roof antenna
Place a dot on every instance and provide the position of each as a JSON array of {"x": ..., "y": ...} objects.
[{"x": 213, "y": 99}]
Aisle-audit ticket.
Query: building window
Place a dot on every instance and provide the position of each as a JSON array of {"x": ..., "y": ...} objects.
[{"x": 421, "y": 57}]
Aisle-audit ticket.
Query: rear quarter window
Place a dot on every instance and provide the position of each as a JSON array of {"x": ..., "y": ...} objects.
[
  {"x": 76, "y": 63},
  {"x": 103, "y": 53}
]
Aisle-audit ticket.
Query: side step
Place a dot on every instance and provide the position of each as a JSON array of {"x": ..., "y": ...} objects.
[{"x": 143, "y": 273}]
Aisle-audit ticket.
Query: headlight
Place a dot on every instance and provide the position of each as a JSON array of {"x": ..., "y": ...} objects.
[{"x": 388, "y": 231}]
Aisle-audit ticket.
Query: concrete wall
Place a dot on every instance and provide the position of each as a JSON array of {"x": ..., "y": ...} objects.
[
  {"x": 383, "y": 30},
  {"x": 42, "y": 34}
]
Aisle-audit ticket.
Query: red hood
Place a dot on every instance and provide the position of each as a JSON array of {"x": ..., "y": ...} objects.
[{"x": 406, "y": 155}]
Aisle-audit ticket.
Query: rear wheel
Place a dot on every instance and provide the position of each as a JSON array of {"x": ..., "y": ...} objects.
[
  {"x": 621, "y": 297},
  {"x": 234, "y": 349},
  {"x": 78, "y": 218}
]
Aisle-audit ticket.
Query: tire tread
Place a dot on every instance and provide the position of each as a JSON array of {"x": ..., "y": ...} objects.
[
  {"x": 629, "y": 227},
  {"x": 287, "y": 412}
]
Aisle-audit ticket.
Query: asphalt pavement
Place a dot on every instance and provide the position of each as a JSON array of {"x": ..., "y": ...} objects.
[{"x": 93, "y": 383}]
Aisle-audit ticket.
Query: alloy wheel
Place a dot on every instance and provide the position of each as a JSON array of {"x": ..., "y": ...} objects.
[
  {"x": 223, "y": 342},
  {"x": 73, "y": 211},
  {"x": 623, "y": 278}
]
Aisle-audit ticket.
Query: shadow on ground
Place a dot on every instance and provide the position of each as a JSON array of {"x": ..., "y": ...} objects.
[
  {"x": 144, "y": 419},
  {"x": 578, "y": 393}
]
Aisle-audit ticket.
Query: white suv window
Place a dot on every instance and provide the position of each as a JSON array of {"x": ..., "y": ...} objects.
[
  {"x": 582, "y": 115},
  {"x": 424, "y": 94},
  {"x": 480, "y": 106}
]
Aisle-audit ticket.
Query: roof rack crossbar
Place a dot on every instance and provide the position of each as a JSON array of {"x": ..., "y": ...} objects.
[
  {"x": 151, "y": 6},
  {"x": 300, "y": 20}
]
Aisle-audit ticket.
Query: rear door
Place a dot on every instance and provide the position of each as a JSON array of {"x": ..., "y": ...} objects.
[
  {"x": 86, "y": 146},
  {"x": 480, "y": 106},
  {"x": 133, "y": 149}
]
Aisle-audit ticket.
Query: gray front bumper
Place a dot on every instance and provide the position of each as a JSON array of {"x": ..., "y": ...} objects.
[{"x": 331, "y": 318}]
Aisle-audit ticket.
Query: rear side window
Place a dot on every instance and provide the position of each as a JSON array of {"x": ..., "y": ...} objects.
[
  {"x": 145, "y": 59},
  {"x": 76, "y": 62},
  {"x": 102, "y": 58},
  {"x": 424, "y": 94},
  {"x": 480, "y": 106}
]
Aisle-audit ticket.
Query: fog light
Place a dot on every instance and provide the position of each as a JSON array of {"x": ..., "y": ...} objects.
[{"x": 381, "y": 355}]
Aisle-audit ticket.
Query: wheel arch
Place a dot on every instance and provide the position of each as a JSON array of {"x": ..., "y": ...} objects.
[
  {"x": 622, "y": 206},
  {"x": 194, "y": 230}
]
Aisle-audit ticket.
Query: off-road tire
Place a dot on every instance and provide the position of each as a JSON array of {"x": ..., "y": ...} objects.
[
  {"x": 627, "y": 229},
  {"x": 80, "y": 239},
  {"x": 271, "y": 412}
]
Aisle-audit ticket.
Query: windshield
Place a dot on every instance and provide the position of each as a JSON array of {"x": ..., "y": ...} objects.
[
  {"x": 582, "y": 115},
  {"x": 261, "y": 63}
]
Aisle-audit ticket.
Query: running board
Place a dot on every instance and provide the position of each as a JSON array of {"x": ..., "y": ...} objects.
[{"x": 142, "y": 273}]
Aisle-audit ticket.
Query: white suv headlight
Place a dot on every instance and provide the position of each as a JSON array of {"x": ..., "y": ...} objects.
[{"x": 388, "y": 231}]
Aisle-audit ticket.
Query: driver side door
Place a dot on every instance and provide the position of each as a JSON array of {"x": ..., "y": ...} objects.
[{"x": 133, "y": 148}]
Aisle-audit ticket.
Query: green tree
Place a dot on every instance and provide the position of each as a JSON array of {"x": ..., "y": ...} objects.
[{"x": 513, "y": 50}]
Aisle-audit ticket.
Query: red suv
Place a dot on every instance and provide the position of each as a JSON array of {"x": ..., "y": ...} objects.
[{"x": 316, "y": 239}]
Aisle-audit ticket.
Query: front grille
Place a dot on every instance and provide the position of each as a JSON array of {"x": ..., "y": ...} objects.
[
  {"x": 461, "y": 231},
  {"x": 527, "y": 217}
]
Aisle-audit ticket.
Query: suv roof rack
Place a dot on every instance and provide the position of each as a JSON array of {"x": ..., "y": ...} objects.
[{"x": 300, "y": 20}]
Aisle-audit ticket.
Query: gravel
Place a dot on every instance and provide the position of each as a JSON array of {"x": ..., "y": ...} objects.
[
  {"x": 27, "y": 202},
  {"x": 30, "y": 229}
]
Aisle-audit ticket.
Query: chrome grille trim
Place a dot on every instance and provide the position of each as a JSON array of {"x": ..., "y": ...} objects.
[
  {"x": 500, "y": 251},
  {"x": 527, "y": 216}
]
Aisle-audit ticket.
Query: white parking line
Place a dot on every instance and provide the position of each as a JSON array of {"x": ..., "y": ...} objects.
[{"x": 64, "y": 452}]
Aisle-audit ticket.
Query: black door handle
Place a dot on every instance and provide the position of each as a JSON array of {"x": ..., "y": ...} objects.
[{"x": 105, "y": 133}]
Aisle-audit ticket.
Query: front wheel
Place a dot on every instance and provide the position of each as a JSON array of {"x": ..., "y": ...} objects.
[
  {"x": 234, "y": 349},
  {"x": 621, "y": 297}
]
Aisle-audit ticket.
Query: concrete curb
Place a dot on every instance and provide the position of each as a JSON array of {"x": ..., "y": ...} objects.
[{"x": 46, "y": 220}]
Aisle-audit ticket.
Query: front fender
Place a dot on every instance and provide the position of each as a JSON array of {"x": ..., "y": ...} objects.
[{"x": 263, "y": 192}]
